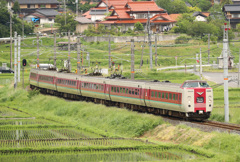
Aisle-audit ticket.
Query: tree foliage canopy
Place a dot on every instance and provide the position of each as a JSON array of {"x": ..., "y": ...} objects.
[{"x": 70, "y": 22}]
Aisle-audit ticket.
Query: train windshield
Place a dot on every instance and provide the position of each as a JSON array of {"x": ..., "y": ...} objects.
[{"x": 194, "y": 84}]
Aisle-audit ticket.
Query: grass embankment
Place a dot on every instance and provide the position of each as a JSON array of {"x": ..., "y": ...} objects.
[
  {"x": 114, "y": 122},
  {"x": 96, "y": 118}
]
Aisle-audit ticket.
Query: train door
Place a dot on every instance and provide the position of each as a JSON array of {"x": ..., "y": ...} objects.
[
  {"x": 141, "y": 94},
  {"x": 79, "y": 85},
  {"x": 147, "y": 96},
  {"x": 106, "y": 91},
  {"x": 55, "y": 82}
]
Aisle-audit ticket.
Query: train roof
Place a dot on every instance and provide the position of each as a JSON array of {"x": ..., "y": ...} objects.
[{"x": 153, "y": 82}]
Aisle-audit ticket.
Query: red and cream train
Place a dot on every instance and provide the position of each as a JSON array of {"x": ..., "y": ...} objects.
[{"x": 191, "y": 100}]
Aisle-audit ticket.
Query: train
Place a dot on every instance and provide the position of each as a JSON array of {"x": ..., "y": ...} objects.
[{"x": 191, "y": 100}]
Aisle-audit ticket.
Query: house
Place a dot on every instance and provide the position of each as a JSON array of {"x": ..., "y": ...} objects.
[
  {"x": 41, "y": 11},
  {"x": 42, "y": 16},
  {"x": 30, "y": 6},
  {"x": 83, "y": 24},
  {"x": 125, "y": 13},
  {"x": 201, "y": 16},
  {"x": 103, "y": 8},
  {"x": 232, "y": 14}
]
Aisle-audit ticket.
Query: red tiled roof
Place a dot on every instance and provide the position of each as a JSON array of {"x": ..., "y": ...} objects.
[
  {"x": 206, "y": 13},
  {"x": 175, "y": 17},
  {"x": 143, "y": 6},
  {"x": 122, "y": 13},
  {"x": 143, "y": 21},
  {"x": 87, "y": 15},
  {"x": 116, "y": 2},
  {"x": 165, "y": 16},
  {"x": 111, "y": 17}
]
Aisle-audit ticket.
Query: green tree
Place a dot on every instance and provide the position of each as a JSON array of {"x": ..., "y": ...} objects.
[
  {"x": 165, "y": 4},
  {"x": 178, "y": 6},
  {"x": 138, "y": 26},
  {"x": 70, "y": 22},
  {"x": 16, "y": 7},
  {"x": 204, "y": 5},
  {"x": 223, "y": 2}
]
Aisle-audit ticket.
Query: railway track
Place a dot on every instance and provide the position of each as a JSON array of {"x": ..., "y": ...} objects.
[{"x": 221, "y": 125}]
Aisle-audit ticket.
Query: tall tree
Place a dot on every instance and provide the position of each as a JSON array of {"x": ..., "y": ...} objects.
[
  {"x": 16, "y": 7},
  {"x": 70, "y": 22}
]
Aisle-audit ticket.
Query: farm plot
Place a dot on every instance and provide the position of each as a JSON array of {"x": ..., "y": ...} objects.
[
  {"x": 10, "y": 113},
  {"x": 70, "y": 143},
  {"x": 114, "y": 155},
  {"x": 43, "y": 133},
  {"x": 23, "y": 139},
  {"x": 26, "y": 122}
]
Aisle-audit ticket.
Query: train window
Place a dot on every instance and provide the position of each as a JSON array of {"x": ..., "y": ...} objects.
[
  {"x": 170, "y": 96},
  {"x": 176, "y": 96},
  {"x": 163, "y": 95},
  {"x": 166, "y": 96},
  {"x": 117, "y": 89},
  {"x": 173, "y": 96},
  {"x": 94, "y": 86},
  {"x": 114, "y": 89},
  {"x": 127, "y": 91},
  {"x": 179, "y": 97},
  {"x": 156, "y": 94},
  {"x": 159, "y": 94},
  {"x": 136, "y": 91},
  {"x": 120, "y": 90},
  {"x": 102, "y": 87},
  {"x": 152, "y": 94},
  {"x": 123, "y": 90},
  {"x": 130, "y": 91}
]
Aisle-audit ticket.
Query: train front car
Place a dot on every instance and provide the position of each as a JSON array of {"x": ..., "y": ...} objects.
[{"x": 197, "y": 99}]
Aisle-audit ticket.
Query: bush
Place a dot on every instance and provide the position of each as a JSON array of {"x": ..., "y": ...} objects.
[
  {"x": 33, "y": 93},
  {"x": 182, "y": 40}
]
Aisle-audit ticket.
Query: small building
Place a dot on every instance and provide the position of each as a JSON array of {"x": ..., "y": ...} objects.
[
  {"x": 201, "y": 16},
  {"x": 42, "y": 16},
  {"x": 232, "y": 14},
  {"x": 83, "y": 24}
]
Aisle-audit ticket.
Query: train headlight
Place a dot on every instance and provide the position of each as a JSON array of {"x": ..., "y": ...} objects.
[
  {"x": 210, "y": 99},
  {"x": 189, "y": 99}
]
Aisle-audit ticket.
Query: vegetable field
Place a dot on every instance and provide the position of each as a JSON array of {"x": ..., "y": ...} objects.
[{"x": 27, "y": 138}]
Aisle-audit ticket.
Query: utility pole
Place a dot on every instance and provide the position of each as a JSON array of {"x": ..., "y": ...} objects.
[
  {"x": 69, "y": 51},
  {"x": 19, "y": 55},
  {"x": 22, "y": 29},
  {"x": 76, "y": 8},
  {"x": 78, "y": 56},
  {"x": 10, "y": 38},
  {"x": 208, "y": 48},
  {"x": 55, "y": 50},
  {"x": 239, "y": 71},
  {"x": 225, "y": 74},
  {"x": 15, "y": 60},
  {"x": 109, "y": 51},
  {"x": 141, "y": 63},
  {"x": 65, "y": 11},
  {"x": 132, "y": 59},
  {"x": 156, "y": 57},
  {"x": 200, "y": 55},
  {"x": 149, "y": 40},
  {"x": 38, "y": 50}
]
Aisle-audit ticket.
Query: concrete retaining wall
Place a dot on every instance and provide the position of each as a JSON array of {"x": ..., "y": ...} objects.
[{"x": 161, "y": 37}]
